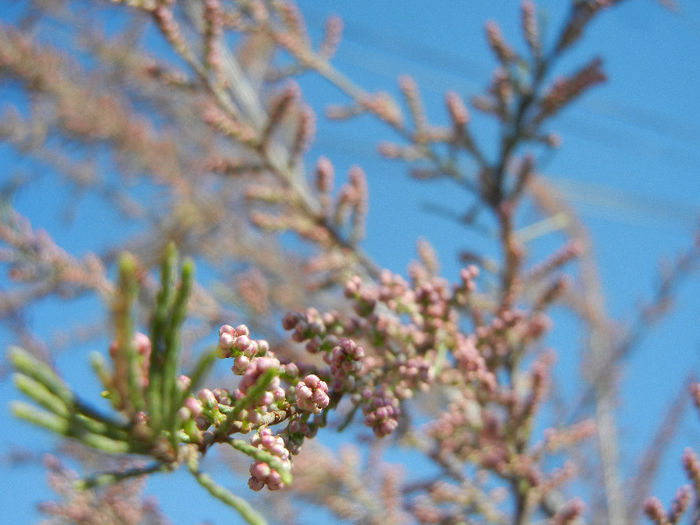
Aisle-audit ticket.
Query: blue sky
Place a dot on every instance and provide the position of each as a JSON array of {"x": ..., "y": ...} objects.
[{"x": 629, "y": 162}]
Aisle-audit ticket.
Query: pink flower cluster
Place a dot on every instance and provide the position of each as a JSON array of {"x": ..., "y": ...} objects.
[
  {"x": 345, "y": 360},
  {"x": 273, "y": 393},
  {"x": 471, "y": 363},
  {"x": 381, "y": 411},
  {"x": 415, "y": 374},
  {"x": 261, "y": 473},
  {"x": 312, "y": 394},
  {"x": 236, "y": 343},
  {"x": 312, "y": 327}
]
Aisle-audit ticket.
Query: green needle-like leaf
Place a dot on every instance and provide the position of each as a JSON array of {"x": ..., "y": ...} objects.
[
  {"x": 108, "y": 478},
  {"x": 30, "y": 366},
  {"x": 41, "y": 395},
  {"x": 40, "y": 418},
  {"x": 99, "y": 366},
  {"x": 171, "y": 395}
]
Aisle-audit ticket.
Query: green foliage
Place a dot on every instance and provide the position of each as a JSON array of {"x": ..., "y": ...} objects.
[{"x": 146, "y": 399}]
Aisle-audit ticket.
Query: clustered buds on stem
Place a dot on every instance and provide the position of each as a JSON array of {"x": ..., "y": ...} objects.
[
  {"x": 654, "y": 509},
  {"x": 236, "y": 343},
  {"x": 345, "y": 360},
  {"x": 261, "y": 473},
  {"x": 381, "y": 411},
  {"x": 312, "y": 394}
]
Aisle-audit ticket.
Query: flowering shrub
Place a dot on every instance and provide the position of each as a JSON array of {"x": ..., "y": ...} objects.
[{"x": 456, "y": 372}]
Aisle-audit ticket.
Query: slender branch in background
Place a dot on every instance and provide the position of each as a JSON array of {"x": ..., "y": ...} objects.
[{"x": 650, "y": 460}]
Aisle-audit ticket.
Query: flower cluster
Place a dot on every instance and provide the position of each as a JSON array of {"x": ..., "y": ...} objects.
[
  {"x": 312, "y": 394},
  {"x": 345, "y": 360},
  {"x": 262, "y": 473},
  {"x": 381, "y": 411},
  {"x": 236, "y": 343},
  {"x": 260, "y": 397},
  {"x": 654, "y": 509},
  {"x": 273, "y": 392}
]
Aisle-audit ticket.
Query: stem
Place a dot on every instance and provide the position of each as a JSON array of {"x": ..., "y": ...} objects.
[
  {"x": 600, "y": 346},
  {"x": 108, "y": 478},
  {"x": 521, "y": 508}
]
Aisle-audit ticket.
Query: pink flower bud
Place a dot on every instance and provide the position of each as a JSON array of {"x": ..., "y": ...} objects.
[
  {"x": 207, "y": 398},
  {"x": 240, "y": 365},
  {"x": 242, "y": 329},
  {"x": 226, "y": 329},
  {"x": 194, "y": 406}
]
